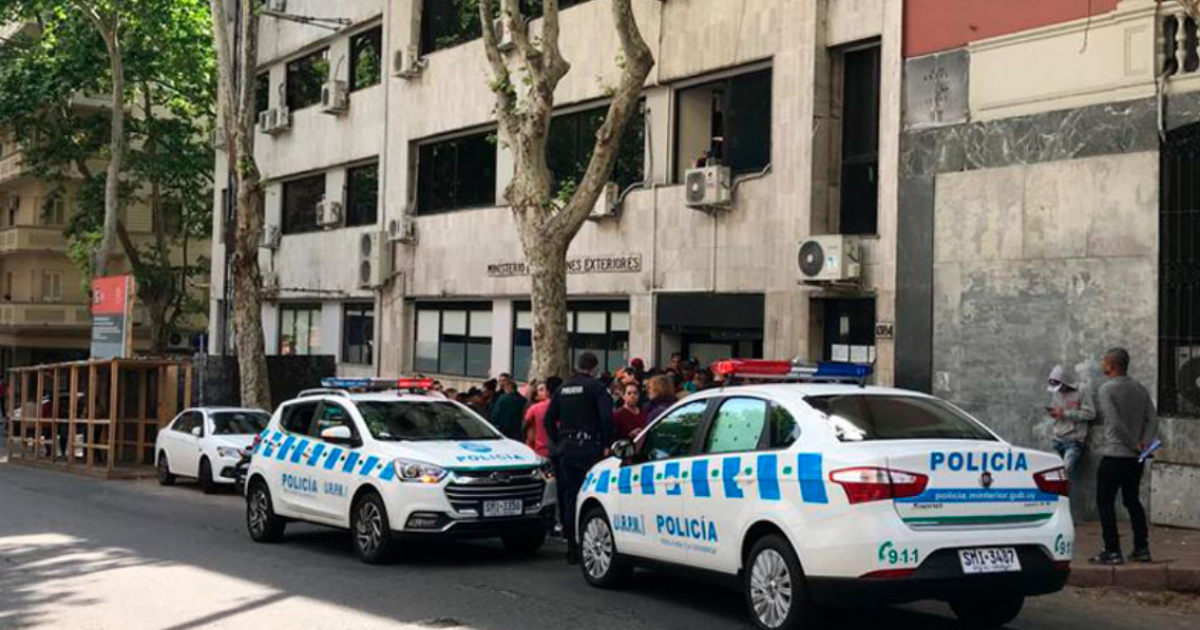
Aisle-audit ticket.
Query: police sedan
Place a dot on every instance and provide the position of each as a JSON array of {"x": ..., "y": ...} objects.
[
  {"x": 827, "y": 493},
  {"x": 394, "y": 466}
]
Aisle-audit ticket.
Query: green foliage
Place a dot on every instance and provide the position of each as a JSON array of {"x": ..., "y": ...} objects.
[{"x": 54, "y": 92}]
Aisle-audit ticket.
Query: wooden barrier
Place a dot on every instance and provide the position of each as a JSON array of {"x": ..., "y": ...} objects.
[{"x": 98, "y": 417}]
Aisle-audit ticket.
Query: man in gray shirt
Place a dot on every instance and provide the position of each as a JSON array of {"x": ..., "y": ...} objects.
[{"x": 1130, "y": 423}]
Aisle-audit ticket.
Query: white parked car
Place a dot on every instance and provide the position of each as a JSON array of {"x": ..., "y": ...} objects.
[
  {"x": 828, "y": 493},
  {"x": 206, "y": 443},
  {"x": 394, "y": 466}
]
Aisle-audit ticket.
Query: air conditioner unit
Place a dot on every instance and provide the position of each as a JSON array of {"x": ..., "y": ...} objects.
[
  {"x": 403, "y": 230},
  {"x": 329, "y": 213},
  {"x": 1187, "y": 379},
  {"x": 407, "y": 65},
  {"x": 275, "y": 120},
  {"x": 266, "y": 120},
  {"x": 504, "y": 40},
  {"x": 179, "y": 342},
  {"x": 607, "y": 203},
  {"x": 830, "y": 258},
  {"x": 271, "y": 237},
  {"x": 270, "y": 283},
  {"x": 277, "y": 6},
  {"x": 374, "y": 260},
  {"x": 335, "y": 98},
  {"x": 708, "y": 187}
]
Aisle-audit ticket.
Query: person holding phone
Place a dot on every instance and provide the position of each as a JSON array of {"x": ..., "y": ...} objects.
[{"x": 1073, "y": 408}]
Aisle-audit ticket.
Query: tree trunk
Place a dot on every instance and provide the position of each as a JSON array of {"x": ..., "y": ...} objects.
[
  {"x": 112, "y": 186},
  {"x": 548, "y": 276},
  {"x": 159, "y": 328}
]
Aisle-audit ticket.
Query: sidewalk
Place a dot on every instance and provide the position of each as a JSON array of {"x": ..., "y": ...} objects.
[{"x": 1176, "y": 565}]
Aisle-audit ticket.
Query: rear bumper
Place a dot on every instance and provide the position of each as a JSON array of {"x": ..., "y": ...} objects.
[{"x": 940, "y": 577}]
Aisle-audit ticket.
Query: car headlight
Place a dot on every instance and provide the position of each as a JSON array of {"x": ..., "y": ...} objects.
[
  {"x": 418, "y": 472},
  {"x": 228, "y": 452},
  {"x": 546, "y": 470}
]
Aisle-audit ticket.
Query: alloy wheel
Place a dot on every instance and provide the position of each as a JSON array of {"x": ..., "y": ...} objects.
[
  {"x": 368, "y": 530},
  {"x": 597, "y": 548},
  {"x": 258, "y": 513},
  {"x": 771, "y": 588}
]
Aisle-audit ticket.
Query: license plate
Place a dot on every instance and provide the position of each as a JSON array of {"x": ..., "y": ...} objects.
[
  {"x": 993, "y": 560},
  {"x": 507, "y": 507}
]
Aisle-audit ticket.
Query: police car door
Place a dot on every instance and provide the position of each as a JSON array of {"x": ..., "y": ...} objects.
[
  {"x": 651, "y": 486},
  {"x": 732, "y": 476},
  {"x": 282, "y": 460},
  {"x": 336, "y": 467}
]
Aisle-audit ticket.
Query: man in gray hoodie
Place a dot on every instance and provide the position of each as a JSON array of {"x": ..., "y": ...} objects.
[
  {"x": 1130, "y": 424},
  {"x": 1073, "y": 408}
]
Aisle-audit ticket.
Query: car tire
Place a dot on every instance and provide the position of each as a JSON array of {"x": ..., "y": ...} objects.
[
  {"x": 207, "y": 485},
  {"x": 264, "y": 525},
  {"x": 987, "y": 611},
  {"x": 524, "y": 543},
  {"x": 371, "y": 531},
  {"x": 602, "y": 565},
  {"x": 774, "y": 586},
  {"x": 165, "y": 478}
]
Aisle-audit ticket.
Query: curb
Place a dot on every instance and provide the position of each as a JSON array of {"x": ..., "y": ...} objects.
[{"x": 1149, "y": 578}]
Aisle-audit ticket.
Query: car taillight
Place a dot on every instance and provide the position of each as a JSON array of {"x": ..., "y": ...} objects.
[
  {"x": 866, "y": 484},
  {"x": 1054, "y": 481}
]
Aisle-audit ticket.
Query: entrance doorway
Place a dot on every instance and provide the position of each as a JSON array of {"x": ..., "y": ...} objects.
[{"x": 710, "y": 327}]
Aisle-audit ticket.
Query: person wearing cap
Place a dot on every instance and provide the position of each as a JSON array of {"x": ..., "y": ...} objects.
[
  {"x": 637, "y": 368},
  {"x": 1073, "y": 408}
]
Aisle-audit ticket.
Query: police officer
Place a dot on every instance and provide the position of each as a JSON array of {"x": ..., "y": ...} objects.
[{"x": 579, "y": 425}]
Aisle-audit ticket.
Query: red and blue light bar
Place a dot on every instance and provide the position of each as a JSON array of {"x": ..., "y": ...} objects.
[
  {"x": 377, "y": 384},
  {"x": 786, "y": 370}
]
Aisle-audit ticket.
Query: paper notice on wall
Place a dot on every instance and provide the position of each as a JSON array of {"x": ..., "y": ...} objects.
[
  {"x": 840, "y": 352},
  {"x": 861, "y": 354}
]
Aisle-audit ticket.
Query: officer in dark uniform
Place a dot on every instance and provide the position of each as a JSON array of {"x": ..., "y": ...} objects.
[{"x": 579, "y": 425}]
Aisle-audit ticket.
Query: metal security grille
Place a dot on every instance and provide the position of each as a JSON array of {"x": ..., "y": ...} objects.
[{"x": 1179, "y": 274}]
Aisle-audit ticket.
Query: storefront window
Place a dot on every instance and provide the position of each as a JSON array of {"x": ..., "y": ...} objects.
[
  {"x": 299, "y": 329},
  {"x": 601, "y": 328},
  {"x": 454, "y": 339}
]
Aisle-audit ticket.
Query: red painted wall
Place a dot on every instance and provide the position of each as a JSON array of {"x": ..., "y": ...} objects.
[{"x": 935, "y": 25}]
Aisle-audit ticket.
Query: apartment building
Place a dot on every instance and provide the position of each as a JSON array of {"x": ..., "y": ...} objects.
[{"x": 388, "y": 244}]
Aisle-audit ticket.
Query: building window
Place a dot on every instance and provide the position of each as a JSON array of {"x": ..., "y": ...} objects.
[
  {"x": 1179, "y": 275},
  {"x": 172, "y": 217},
  {"x": 447, "y": 23},
  {"x": 262, "y": 93},
  {"x": 52, "y": 283},
  {"x": 849, "y": 329},
  {"x": 305, "y": 78},
  {"x": 572, "y": 138},
  {"x": 454, "y": 339},
  {"x": 726, "y": 122},
  {"x": 362, "y": 194},
  {"x": 54, "y": 212},
  {"x": 300, "y": 200},
  {"x": 457, "y": 173},
  {"x": 859, "y": 185},
  {"x": 366, "y": 59},
  {"x": 601, "y": 328},
  {"x": 299, "y": 329},
  {"x": 358, "y": 334}
]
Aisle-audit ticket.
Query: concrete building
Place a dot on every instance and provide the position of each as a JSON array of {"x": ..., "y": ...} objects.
[
  {"x": 795, "y": 96},
  {"x": 1046, "y": 213}
]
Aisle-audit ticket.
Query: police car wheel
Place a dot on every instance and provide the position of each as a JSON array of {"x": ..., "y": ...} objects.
[
  {"x": 524, "y": 543},
  {"x": 372, "y": 534},
  {"x": 263, "y": 524},
  {"x": 207, "y": 486},
  {"x": 774, "y": 585},
  {"x": 165, "y": 478},
  {"x": 601, "y": 564},
  {"x": 989, "y": 611}
]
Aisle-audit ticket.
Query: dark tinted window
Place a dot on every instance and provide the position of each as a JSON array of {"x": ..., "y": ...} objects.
[
  {"x": 862, "y": 417},
  {"x": 366, "y": 59},
  {"x": 300, "y": 199},
  {"x": 407, "y": 420},
  {"x": 457, "y": 173},
  {"x": 446, "y": 23},
  {"x": 239, "y": 422},
  {"x": 572, "y": 138},
  {"x": 674, "y": 435},
  {"x": 362, "y": 194},
  {"x": 860, "y": 141},
  {"x": 298, "y": 418},
  {"x": 727, "y": 122},
  {"x": 262, "y": 93},
  {"x": 358, "y": 333},
  {"x": 334, "y": 415},
  {"x": 305, "y": 78},
  {"x": 782, "y": 430}
]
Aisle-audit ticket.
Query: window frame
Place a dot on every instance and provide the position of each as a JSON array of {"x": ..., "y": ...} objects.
[
  {"x": 285, "y": 415},
  {"x": 441, "y": 308},
  {"x": 579, "y": 113},
  {"x": 349, "y": 216},
  {"x": 574, "y": 307},
  {"x": 291, "y": 81},
  {"x": 295, "y": 307},
  {"x": 361, "y": 309},
  {"x": 314, "y": 430},
  {"x": 262, "y": 92},
  {"x": 869, "y": 159},
  {"x": 763, "y": 434},
  {"x": 423, "y": 196},
  {"x": 726, "y": 77},
  {"x": 374, "y": 33},
  {"x": 640, "y": 454},
  {"x": 288, "y": 226}
]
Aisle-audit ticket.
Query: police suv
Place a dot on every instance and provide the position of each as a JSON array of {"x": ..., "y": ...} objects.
[
  {"x": 394, "y": 465},
  {"x": 827, "y": 493}
]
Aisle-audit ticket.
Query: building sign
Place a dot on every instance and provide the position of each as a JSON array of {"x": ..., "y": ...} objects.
[
  {"x": 112, "y": 320},
  {"x": 631, "y": 263},
  {"x": 885, "y": 330}
]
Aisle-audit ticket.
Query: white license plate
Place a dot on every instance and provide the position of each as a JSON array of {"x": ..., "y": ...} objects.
[
  {"x": 507, "y": 507},
  {"x": 992, "y": 560}
]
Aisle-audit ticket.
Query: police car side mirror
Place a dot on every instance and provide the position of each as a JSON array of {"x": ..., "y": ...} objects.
[
  {"x": 197, "y": 432},
  {"x": 623, "y": 449},
  {"x": 339, "y": 435}
]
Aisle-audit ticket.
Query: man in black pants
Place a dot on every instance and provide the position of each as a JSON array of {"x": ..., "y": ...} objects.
[
  {"x": 1130, "y": 424},
  {"x": 579, "y": 425}
]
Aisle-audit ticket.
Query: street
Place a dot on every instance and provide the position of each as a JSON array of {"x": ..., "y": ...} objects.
[{"x": 76, "y": 553}]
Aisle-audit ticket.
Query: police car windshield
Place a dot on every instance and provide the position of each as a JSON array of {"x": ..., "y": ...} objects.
[
  {"x": 424, "y": 420},
  {"x": 239, "y": 422},
  {"x": 861, "y": 417}
]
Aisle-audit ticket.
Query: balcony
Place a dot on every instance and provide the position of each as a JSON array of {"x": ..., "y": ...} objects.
[
  {"x": 27, "y": 239},
  {"x": 12, "y": 167},
  {"x": 54, "y": 315}
]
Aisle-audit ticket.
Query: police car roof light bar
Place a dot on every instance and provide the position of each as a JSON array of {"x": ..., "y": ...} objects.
[
  {"x": 828, "y": 372},
  {"x": 345, "y": 385}
]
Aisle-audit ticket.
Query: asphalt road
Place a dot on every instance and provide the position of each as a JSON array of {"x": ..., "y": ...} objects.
[{"x": 79, "y": 553}]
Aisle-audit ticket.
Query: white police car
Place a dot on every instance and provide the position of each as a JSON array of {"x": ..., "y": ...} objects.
[
  {"x": 826, "y": 494},
  {"x": 392, "y": 466}
]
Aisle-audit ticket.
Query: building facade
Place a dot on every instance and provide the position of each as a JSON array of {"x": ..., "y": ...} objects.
[{"x": 800, "y": 99}]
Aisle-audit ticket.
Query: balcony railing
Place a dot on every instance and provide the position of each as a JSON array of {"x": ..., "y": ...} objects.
[
  {"x": 44, "y": 315},
  {"x": 1178, "y": 44},
  {"x": 32, "y": 239},
  {"x": 11, "y": 167}
]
